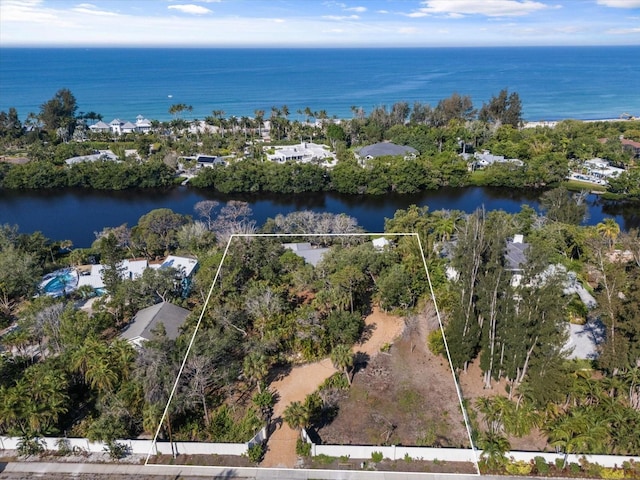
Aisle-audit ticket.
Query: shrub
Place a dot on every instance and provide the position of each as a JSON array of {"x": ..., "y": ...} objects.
[
  {"x": 63, "y": 446},
  {"x": 574, "y": 468},
  {"x": 323, "y": 459},
  {"x": 407, "y": 458},
  {"x": 256, "y": 452},
  {"x": 519, "y": 468},
  {"x": 116, "y": 450},
  {"x": 606, "y": 472},
  {"x": 30, "y": 445},
  {"x": 303, "y": 448},
  {"x": 559, "y": 463},
  {"x": 542, "y": 467},
  {"x": 435, "y": 342},
  {"x": 376, "y": 456}
]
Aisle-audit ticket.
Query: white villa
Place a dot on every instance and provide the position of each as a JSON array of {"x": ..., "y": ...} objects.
[
  {"x": 596, "y": 170},
  {"x": 119, "y": 127},
  {"x": 485, "y": 158},
  {"x": 132, "y": 269},
  {"x": 304, "y": 152}
]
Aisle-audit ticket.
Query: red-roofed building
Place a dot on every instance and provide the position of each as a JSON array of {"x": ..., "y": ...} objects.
[{"x": 631, "y": 145}]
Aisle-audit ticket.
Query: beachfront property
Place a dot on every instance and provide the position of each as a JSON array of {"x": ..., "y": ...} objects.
[
  {"x": 141, "y": 327},
  {"x": 305, "y": 152},
  {"x": 385, "y": 149},
  {"x": 119, "y": 127}
]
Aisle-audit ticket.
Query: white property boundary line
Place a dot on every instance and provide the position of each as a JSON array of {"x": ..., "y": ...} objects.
[{"x": 298, "y": 235}]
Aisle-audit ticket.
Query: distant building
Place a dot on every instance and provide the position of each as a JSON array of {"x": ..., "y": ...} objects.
[
  {"x": 312, "y": 255},
  {"x": 480, "y": 160},
  {"x": 386, "y": 149},
  {"x": 515, "y": 258},
  {"x": 100, "y": 127},
  {"x": 101, "y": 155},
  {"x": 209, "y": 160},
  {"x": 380, "y": 243},
  {"x": 148, "y": 319},
  {"x": 304, "y": 152}
]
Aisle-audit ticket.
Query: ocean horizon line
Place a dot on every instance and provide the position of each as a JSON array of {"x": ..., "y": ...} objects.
[{"x": 303, "y": 47}]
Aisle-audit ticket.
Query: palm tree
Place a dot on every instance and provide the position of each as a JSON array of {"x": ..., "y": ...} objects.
[
  {"x": 255, "y": 367},
  {"x": 342, "y": 359},
  {"x": 296, "y": 415},
  {"x": 610, "y": 230},
  {"x": 494, "y": 446}
]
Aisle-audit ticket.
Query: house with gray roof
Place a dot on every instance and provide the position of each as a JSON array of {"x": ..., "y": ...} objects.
[
  {"x": 515, "y": 258},
  {"x": 100, "y": 127},
  {"x": 310, "y": 254},
  {"x": 386, "y": 149},
  {"x": 148, "y": 319}
]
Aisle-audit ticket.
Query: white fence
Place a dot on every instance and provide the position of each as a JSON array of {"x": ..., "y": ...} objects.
[
  {"x": 453, "y": 454},
  {"x": 143, "y": 447}
]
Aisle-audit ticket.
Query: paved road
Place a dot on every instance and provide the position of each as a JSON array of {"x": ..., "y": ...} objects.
[{"x": 67, "y": 471}]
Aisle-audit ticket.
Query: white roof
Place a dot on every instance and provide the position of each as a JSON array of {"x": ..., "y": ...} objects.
[{"x": 183, "y": 264}]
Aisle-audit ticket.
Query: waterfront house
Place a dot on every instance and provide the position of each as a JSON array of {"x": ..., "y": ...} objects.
[
  {"x": 100, "y": 155},
  {"x": 100, "y": 127},
  {"x": 304, "y": 152},
  {"x": 480, "y": 160},
  {"x": 142, "y": 124},
  {"x": 208, "y": 160},
  {"x": 386, "y": 149},
  {"x": 147, "y": 320}
]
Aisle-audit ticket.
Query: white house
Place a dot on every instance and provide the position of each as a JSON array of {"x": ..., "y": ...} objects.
[
  {"x": 142, "y": 124},
  {"x": 100, "y": 127},
  {"x": 304, "y": 152}
]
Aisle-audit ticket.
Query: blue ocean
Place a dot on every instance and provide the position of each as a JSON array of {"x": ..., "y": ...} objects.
[{"x": 553, "y": 82}]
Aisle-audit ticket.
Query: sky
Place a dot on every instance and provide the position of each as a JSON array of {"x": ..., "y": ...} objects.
[{"x": 318, "y": 23}]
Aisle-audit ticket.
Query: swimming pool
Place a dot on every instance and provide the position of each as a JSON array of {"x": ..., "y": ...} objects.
[{"x": 59, "y": 282}]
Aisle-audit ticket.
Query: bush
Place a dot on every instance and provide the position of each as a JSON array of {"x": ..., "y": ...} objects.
[
  {"x": 519, "y": 468},
  {"x": 30, "y": 445},
  {"x": 303, "y": 449},
  {"x": 256, "y": 452},
  {"x": 376, "y": 456},
  {"x": 542, "y": 467},
  {"x": 574, "y": 468},
  {"x": 435, "y": 342},
  {"x": 63, "y": 446},
  {"x": 614, "y": 473},
  {"x": 117, "y": 450}
]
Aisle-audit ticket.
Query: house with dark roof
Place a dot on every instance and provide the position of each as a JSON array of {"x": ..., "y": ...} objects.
[
  {"x": 148, "y": 319},
  {"x": 515, "y": 258},
  {"x": 386, "y": 149}
]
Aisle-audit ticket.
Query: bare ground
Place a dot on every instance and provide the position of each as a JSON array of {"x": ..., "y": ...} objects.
[
  {"x": 404, "y": 397},
  {"x": 380, "y": 329}
]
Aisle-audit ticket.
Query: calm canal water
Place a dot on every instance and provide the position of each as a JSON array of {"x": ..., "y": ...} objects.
[{"x": 76, "y": 214}]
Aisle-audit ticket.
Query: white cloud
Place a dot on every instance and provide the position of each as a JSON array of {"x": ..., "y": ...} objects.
[
  {"x": 356, "y": 9},
  {"x": 489, "y": 8},
  {"x": 91, "y": 9},
  {"x": 418, "y": 14},
  {"x": 341, "y": 17},
  {"x": 620, "y": 3},
  {"x": 623, "y": 31},
  {"x": 190, "y": 9}
]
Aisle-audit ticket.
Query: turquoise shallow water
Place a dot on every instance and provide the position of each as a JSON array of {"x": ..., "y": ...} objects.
[{"x": 553, "y": 82}]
